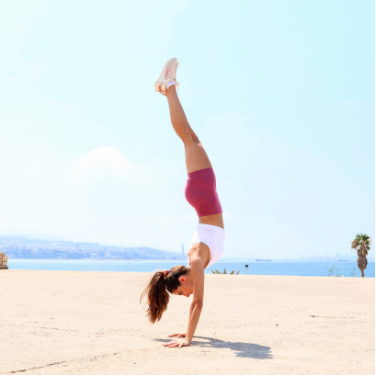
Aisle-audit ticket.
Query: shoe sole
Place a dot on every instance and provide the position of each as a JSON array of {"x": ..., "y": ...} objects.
[{"x": 160, "y": 84}]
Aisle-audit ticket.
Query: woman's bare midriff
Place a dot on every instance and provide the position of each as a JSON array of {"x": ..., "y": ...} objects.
[{"x": 214, "y": 220}]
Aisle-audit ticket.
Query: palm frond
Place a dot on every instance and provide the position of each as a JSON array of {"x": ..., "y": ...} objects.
[
  {"x": 338, "y": 273},
  {"x": 330, "y": 270},
  {"x": 361, "y": 244},
  {"x": 216, "y": 271}
]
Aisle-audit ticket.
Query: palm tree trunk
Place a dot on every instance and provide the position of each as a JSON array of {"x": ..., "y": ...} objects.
[{"x": 362, "y": 264}]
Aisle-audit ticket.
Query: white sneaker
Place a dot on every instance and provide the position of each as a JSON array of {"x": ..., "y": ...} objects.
[{"x": 168, "y": 74}]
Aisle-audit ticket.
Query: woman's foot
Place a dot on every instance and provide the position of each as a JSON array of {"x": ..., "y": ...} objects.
[{"x": 168, "y": 75}]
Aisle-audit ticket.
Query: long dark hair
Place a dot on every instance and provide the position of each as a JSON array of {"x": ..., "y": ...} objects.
[{"x": 158, "y": 289}]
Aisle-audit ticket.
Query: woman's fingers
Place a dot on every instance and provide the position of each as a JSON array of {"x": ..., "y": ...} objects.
[
  {"x": 173, "y": 344},
  {"x": 168, "y": 344},
  {"x": 178, "y": 335},
  {"x": 176, "y": 343}
]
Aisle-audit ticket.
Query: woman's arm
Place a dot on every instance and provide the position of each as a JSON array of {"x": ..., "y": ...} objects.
[
  {"x": 198, "y": 275},
  {"x": 198, "y": 298}
]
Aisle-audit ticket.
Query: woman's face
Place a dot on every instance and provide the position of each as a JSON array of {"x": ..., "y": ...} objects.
[{"x": 186, "y": 286}]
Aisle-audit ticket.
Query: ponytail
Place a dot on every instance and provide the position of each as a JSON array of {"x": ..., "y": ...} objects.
[{"x": 158, "y": 289}]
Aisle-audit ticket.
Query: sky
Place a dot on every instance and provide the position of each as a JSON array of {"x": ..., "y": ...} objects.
[{"x": 281, "y": 94}]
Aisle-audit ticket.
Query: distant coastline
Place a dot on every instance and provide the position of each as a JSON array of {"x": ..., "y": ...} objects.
[
  {"x": 150, "y": 261},
  {"x": 21, "y": 248},
  {"x": 263, "y": 260}
]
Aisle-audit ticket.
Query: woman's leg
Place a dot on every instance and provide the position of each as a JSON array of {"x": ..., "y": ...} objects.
[{"x": 195, "y": 155}]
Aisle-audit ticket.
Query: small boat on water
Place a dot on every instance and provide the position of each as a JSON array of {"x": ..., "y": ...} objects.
[{"x": 262, "y": 260}]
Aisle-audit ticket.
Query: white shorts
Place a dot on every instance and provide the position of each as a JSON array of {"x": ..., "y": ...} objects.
[{"x": 213, "y": 237}]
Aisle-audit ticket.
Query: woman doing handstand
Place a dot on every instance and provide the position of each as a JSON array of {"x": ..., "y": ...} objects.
[{"x": 207, "y": 243}]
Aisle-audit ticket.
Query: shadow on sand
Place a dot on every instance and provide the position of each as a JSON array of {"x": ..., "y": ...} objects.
[{"x": 241, "y": 349}]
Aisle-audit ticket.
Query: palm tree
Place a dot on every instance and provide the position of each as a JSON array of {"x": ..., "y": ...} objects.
[{"x": 362, "y": 244}]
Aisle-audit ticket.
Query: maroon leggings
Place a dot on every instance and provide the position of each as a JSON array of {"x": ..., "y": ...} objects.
[{"x": 201, "y": 193}]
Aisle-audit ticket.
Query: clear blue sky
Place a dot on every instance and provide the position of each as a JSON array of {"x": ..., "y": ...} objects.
[{"x": 281, "y": 93}]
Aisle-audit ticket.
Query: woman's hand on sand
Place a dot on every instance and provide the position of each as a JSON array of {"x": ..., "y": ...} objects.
[
  {"x": 178, "y": 335},
  {"x": 177, "y": 343}
]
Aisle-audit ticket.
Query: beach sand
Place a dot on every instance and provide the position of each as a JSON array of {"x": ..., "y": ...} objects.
[{"x": 92, "y": 323}]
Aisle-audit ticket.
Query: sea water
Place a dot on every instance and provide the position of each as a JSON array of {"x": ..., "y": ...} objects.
[{"x": 254, "y": 268}]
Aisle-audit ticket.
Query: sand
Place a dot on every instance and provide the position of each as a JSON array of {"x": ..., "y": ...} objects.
[{"x": 92, "y": 323}]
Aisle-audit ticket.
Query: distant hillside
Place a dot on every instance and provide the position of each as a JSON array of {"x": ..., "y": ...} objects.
[{"x": 65, "y": 250}]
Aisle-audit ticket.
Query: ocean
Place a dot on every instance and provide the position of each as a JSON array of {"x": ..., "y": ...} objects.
[{"x": 254, "y": 268}]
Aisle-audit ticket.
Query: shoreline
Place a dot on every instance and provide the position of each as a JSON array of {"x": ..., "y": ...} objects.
[
  {"x": 221, "y": 261},
  {"x": 150, "y": 272},
  {"x": 267, "y": 268}
]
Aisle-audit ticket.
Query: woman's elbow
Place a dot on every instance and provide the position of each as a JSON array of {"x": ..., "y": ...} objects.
[{"x": 198, "y": 304}]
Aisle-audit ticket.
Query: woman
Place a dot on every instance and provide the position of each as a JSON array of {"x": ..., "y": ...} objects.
[{"x": 207, "y": 243}]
